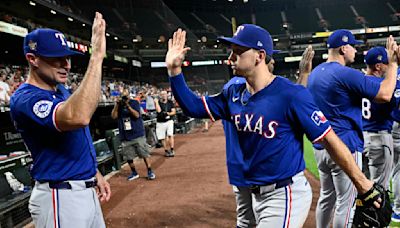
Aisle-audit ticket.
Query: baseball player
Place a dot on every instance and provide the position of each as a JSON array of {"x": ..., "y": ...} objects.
[
  {"x": 244, "y": 211},
  {"x": 338, "y": 91},
  {"x": 396, "y": 169},
  {"x": 271, "y": 115},
  {"x": 54, "y": 126},
  {"x": 377, "y": 122}
]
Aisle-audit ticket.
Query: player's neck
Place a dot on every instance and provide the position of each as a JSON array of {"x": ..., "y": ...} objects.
[
  {"x": 258, "y": 82},
  {"x": 374, "y": 73},
  {"x": 336, "y": 58},
  {"x": 35, "y": 80}
]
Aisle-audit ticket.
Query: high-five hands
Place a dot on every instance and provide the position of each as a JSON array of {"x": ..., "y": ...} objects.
[{"x": 176, "y": 52}]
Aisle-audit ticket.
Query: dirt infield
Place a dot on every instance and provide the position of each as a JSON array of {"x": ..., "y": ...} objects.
[{"x": 191, "y": 189}]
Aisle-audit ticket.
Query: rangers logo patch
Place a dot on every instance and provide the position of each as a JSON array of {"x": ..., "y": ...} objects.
[
  {"x": 42, "y": 108},
  {"x": 379, "y": 57},
  {"x": 345, "y": 39},
  {"x": 318, "y": 117}
]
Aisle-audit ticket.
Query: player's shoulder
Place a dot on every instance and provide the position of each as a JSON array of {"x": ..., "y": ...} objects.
[
  {"x": 289, "y": 90},
  {"x": 237, "y": 80},
  {"x": 285, "y": 85},
  {"x": 29, "y": 94}
]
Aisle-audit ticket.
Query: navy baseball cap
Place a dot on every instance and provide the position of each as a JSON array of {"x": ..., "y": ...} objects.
[
  {"x": 342, "y": 37},
  {"x": 251, "y": 36},
  {"x": 376, "y": 55},
  {"x": 47, "y": 43}
]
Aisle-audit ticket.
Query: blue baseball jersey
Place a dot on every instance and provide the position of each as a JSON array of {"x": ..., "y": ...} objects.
[
  {"x": 338, "y": 90},
  {"x": 57, "y": 156},
  {"x": 377, "y": 116},
  {"x": 396, "y": 111},
  {"x": 234, "y": 155},
  {"x": 269, "y": 125},
  {"x": 129, "y": 126}
]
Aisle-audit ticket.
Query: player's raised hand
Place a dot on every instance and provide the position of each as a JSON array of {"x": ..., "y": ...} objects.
[
  {"x": 99, "y": 36},
  {"x": 392, "y": 50},
  {"x": 305, "y": 65},
  {"x": 176, "y": 52}
]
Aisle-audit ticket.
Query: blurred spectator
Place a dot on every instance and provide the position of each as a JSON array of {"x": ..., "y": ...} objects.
[
  {"x": 165, "y": 123},
  {"x": 131, "y": 132},
  {"x": 16, "y": 80},
  {"x": 4, "y": 89}
]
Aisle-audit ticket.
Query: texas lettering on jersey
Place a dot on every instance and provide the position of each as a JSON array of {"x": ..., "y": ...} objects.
[{"x": 255, "y": 125}]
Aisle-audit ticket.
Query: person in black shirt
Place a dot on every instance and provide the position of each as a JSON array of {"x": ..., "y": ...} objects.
[
  {"x": 131, "y": 132},
  {"x": 165, "y": 124}
]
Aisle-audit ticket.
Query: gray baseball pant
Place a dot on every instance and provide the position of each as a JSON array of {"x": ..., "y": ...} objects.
[
  {"x": 337, "y": 192},
  {"x": 283, "y": 207},
  {"x": 378, "y": 149},
  {"x": 78, "y": 207},
  {"x": 244, "y": 207}
]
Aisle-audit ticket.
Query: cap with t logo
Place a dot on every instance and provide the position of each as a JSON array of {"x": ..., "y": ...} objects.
[
  {"x": 251, "y": 36},
  {"x": 47, "y": 43}
]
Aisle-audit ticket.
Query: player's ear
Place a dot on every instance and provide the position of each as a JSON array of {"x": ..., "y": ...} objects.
[
  {"x": 342, "y": 50},
  {"x": 260, "y": 57},
  {"x": 32, "y": 59}
]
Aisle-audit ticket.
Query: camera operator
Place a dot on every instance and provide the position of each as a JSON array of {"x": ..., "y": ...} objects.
[
  {"x": 131, "y": 132},
  {"x": 165, "y": 124}
]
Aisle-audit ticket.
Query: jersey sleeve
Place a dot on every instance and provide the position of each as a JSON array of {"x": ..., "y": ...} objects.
[
  {"x": 304, "y": 112},
  {"x": 40, "y": 110},
  {"x": 192, "y": 105},
  {"x": 360, "y": 85}
]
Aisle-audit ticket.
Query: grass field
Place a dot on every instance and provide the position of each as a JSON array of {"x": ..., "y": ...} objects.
[{"x": 312, "y": 167}]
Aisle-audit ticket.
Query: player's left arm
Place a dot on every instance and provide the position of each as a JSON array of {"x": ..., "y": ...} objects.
[
  {"x": 103, "y": 188},
  {"x": 341, "y": 154},
  {"x": 318, "y": 130}
]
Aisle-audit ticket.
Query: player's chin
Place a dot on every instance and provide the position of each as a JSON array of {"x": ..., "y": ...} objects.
[{"x": 62, "y": 79}]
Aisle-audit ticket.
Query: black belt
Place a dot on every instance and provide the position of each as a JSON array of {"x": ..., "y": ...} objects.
[
  {"x": 279, "y": 184},
  {"x": 67, "y": 185}
]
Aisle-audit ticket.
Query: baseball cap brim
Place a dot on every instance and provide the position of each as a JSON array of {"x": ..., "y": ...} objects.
[
  {"x": 61, "y": 53},
  {"x": 231, "y": 40},
  {"x": 358, "y": 42}
]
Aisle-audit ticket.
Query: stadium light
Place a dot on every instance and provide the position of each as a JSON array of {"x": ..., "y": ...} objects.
[
  {"x": 70, "y": 19},
  {"x": 83, "y": 24},
  {"x": 245, "y": 1},
  {"x": 53, "y": 12},
  {"x": 115, "y": 38},
  {"x": 107, "y": 34},
  {"x": 32, "y": 3}
]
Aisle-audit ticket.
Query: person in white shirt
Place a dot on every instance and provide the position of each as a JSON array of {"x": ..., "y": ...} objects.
[{"x": 4, "y": 89}]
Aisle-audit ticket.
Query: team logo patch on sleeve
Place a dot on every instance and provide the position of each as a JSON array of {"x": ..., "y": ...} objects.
[
  {"x": 318, "y": 118},
  {"x": 42, "y": 108}
]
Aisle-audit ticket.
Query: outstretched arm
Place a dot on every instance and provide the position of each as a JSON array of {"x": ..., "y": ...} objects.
[
  {"x": 388, "y": 85},
  {"x": 305, "y": 65},
  {"x": 342, "y": 156},
  {"x": 77, "y": 111},
  {"x": 191, "y": 104}
]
